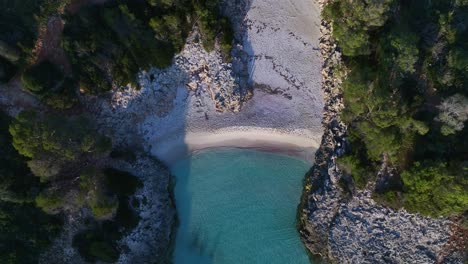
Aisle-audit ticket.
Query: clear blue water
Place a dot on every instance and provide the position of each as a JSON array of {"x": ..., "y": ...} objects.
[{"x": 238, "y": 206}]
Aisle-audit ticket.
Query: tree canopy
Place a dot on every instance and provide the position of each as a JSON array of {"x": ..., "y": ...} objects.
[{"x": 405, "y": 96}]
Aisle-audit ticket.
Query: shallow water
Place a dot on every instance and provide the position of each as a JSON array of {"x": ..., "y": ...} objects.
[{"x": 238, "y": 206}]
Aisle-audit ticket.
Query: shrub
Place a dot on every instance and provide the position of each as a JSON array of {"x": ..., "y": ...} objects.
[
  {"x": 353, "y": 21},
  {"x": 93, "y": 245},
  {"x": 55, "y": 138},
  {"x": 41, "y": 77},
  {"x": 103, "y": 251},
  {"x": 350, "y": 164},
  {"x": 23, "y": 241},
  {"x": 432, "y": 189},
  {"x": 64, "y": 96},
  {"x": 96, "y": 195},
  {"x": 103, "y": 207},
  {"x": 99, "y": 242},
  {"x": 227, "y": 38},
  {"x": 50, "y": 201}
]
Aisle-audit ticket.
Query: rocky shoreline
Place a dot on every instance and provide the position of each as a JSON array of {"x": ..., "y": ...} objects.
[{"x": 344, "y": 225}]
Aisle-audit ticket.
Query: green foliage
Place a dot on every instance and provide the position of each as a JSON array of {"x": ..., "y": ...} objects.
[
  {"x": 48, "y": 83},
  {"x": 16, "y": 182},
  {"x": 406, "y": 51},
  {"x": 99, "y": 241},
  {"x": 432, "y": 189},
  {"x": 353, "y": 21},
  {"x": 109, "y": 44},
  {"x": 63, "y": 96},
  {"x": 8, "y": 52},
  {"x": 103, "y": 252},
  {"x": 50, "y": 201},
  {"x": 227, "y": 38},
  {"x": 93, "y": 245},
  {"x": 352, "y": 165},
  {"x": 104, "y": 207},
  {"x": 98, "y": 196},
  {"x": 20, "y": 241},
  {"x": 56, "y": 138},
  {"x": 19, "y": 23},
  {"x": 57, "y": 145},
  {"x": 461, "y": 2},
  {"x": 405, "y": 96},
  {"x": 170, "y": 29},
  {"x": 18, "y": 26},
  {"x": 120, "y": 182},
  {"x": 458, "y": 59},
  {"x": 41, "y": 77}
]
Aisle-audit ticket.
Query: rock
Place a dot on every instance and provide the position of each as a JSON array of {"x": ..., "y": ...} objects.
[{"x": 152, "y": 238}]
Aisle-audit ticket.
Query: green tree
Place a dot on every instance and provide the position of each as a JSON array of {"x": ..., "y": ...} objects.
[
  {"x": 406, "y": 51},
  {"x": 353, "y": 22},
  {"x": 432, "y": 189},
  {"x": 41, "y": 77},
  {"x": 56, "y": 138},
  {"x": 95, "y": 191},
  {"x": 20, "y": 241},
  {"x": 453, "y": 114}
]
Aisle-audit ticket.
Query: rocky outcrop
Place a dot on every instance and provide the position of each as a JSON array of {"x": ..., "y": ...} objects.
[
  {"x": 347, "y": 226},
  {"x": 152, "y": 238}
]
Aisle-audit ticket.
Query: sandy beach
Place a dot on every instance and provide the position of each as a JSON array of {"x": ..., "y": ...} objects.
[{"x": 267, "y": 140}]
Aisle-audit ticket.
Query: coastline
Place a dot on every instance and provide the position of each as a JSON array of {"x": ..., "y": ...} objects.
[
  {"x": 200, "y": 101},
  {"x": 296, "y": 144}
]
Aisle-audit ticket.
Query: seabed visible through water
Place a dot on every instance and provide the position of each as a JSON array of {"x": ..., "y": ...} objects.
[{"x": 238, "y": 206}]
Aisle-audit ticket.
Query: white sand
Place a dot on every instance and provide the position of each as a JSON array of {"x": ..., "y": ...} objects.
[{"x": 271, "y": 140}]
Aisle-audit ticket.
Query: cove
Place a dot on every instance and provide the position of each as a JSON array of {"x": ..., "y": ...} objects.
[{"x": 238, "y": 206}]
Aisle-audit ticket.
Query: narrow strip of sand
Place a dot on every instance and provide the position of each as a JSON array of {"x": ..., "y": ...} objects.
[{"x": 169, "y": 150}]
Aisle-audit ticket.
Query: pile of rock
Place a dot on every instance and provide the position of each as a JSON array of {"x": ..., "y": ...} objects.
[
  {"x": 209, "y": 72},
  {"x": 200, "y": 71}
]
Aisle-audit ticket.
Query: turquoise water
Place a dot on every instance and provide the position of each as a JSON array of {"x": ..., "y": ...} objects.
[{"x": 238, "y": 206}]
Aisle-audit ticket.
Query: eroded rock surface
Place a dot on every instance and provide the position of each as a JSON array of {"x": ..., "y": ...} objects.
[{"x": 348, "y": 226}]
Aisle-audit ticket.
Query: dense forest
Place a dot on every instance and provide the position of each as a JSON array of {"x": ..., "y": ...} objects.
[
  {"x": 406, "y": 100},
  {"x": 53, "y": 162}
]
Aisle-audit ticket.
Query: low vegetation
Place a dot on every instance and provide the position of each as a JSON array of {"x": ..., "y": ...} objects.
[
  {"x": 405, "y": 98},
  {"x": 99, "y": 241}
]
